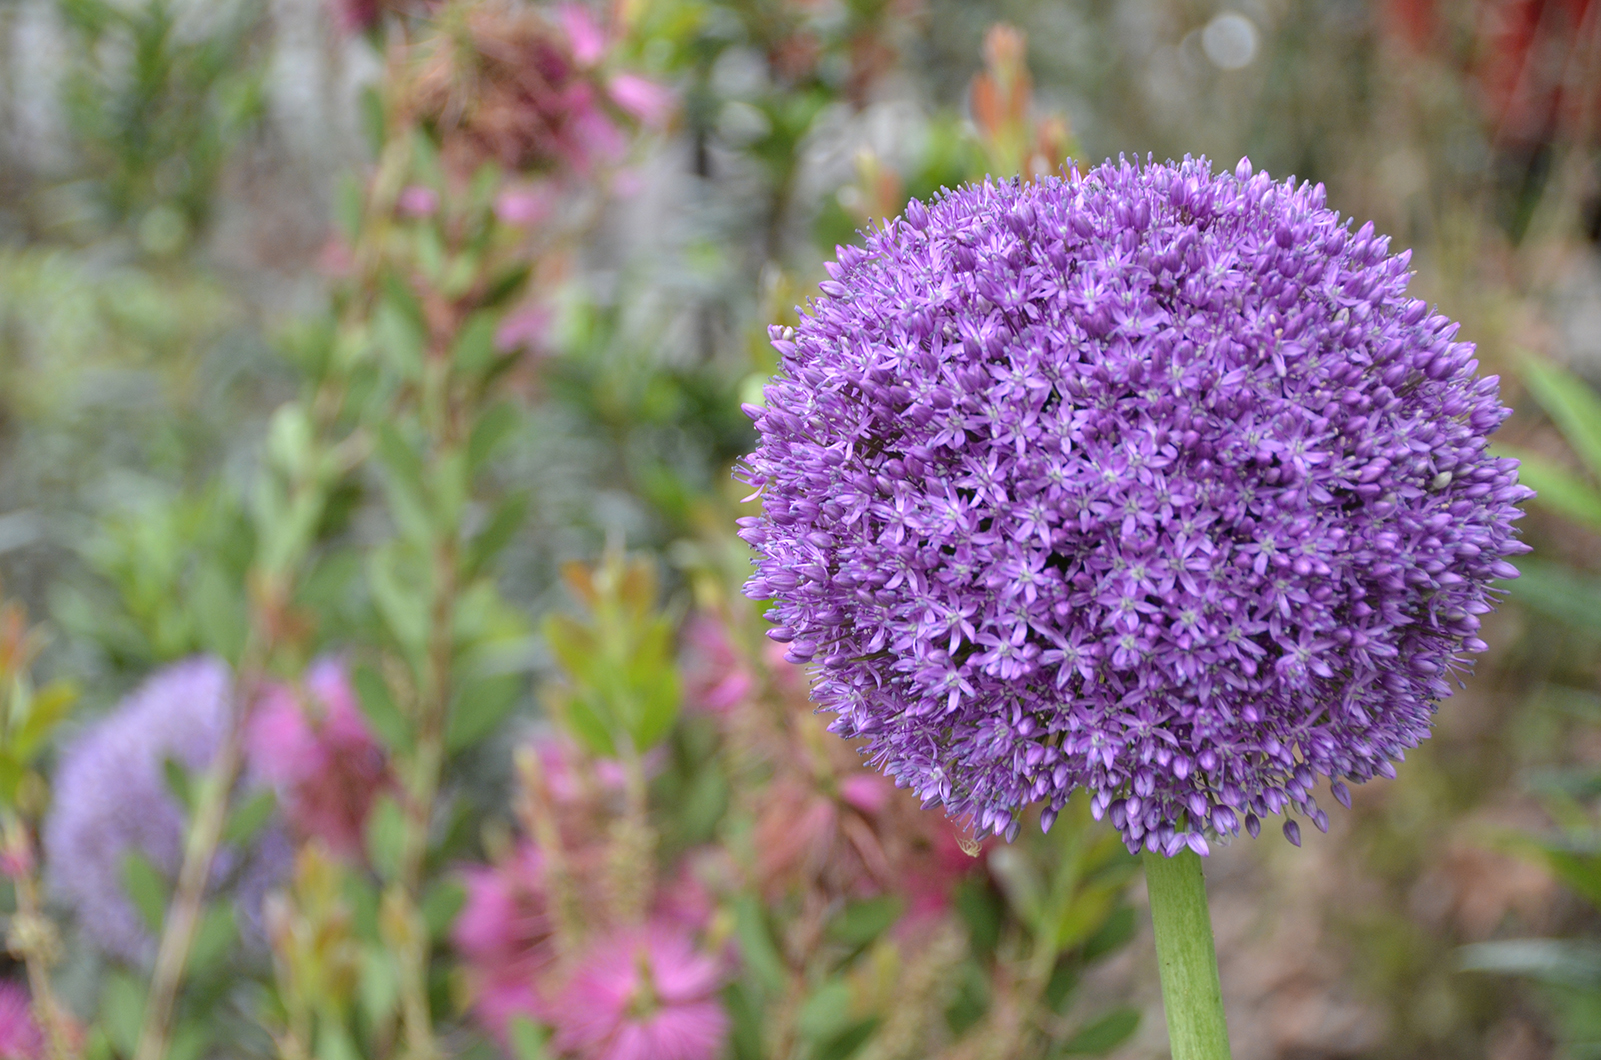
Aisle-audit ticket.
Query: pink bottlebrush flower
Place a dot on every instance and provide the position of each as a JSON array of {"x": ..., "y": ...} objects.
[
  {"x": 564, "y": 765},
  {"x": 584, "y": 35},
  {"x": 20, "y": 1037},
  {"x": 643, "y": 994},
  {"x": 504, "y": 937},
  {"x": 715, "y": 679},
  {"x": 318, "y": 753},
  {"x": 417, "y": 201},
  {"x": 651, "y": 103}
]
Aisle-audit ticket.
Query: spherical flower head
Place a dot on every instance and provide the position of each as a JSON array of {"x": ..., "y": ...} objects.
[
  {"x": 643, "y": 994},
  {"x": 1152, "y": 482},
  {"x": 314, "y": 746},
  {"x": 112, "y": 798},
  {"x": 20, "y": 1037}
]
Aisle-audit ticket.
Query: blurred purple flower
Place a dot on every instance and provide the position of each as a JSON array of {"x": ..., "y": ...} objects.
[
  {"x": 643, "y": 994},
  {"x": 1151, "y": 482},
  {"x": 318, "y": 752},
  {"x": 20, "y": 1036},
  {"x": 112, "y": 798}
]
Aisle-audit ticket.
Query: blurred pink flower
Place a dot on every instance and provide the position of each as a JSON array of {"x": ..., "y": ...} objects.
[
  {"x": 643, "y": 994},
  {"x": 523, "y": 207},
  {"x": 503, "y": 935},
  {"x": 652, "y": 104},
  {"x": 20, "y": 1037},
  {"x": 715, "y": 679},
  {"x": 524, "y": 328},
  {"x": 335, "y": 260},
  {"x": 867, "y": 792},
  {"x": 565, "y": 764},
  {"x": 318, "y": 753},
  {"x": 584, "y": 35},
  {"x": 417, "y": 201},
  {"x": 598, "y": 136},
  {"x": 789, "y": 678},
  {"x": 683, "y": 899},
  {"x": 355, "y": 16}
]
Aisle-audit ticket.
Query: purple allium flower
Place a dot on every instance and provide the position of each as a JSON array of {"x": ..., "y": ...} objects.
[
  {"x": 112, "y": 797},
  {"x": 1150, "y": 481}
]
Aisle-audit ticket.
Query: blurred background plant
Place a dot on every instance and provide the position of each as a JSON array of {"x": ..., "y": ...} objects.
[{"x": 371, "y": 377}]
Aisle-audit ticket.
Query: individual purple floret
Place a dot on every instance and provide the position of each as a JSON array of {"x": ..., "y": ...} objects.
[
  {"x": 111, "y": 796},
  {"x": 1150, "y": 481}
]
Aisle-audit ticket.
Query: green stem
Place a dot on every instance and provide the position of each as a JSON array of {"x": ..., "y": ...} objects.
[{"x": 1186, "y": 958}]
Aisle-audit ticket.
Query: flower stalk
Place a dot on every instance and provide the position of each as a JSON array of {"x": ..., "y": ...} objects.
[
  {"x": 1186, "y": 957},
  {"x": 33, "y": 938}
]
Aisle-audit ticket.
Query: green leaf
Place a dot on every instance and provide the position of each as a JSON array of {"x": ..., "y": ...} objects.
[
  {"x": 980, "y": 909},
  {"x": 372, "y": 692},
  {"x": 1559, "y": 962},
  {"x": 122, "y": 1011},
  {"x": 1114, "y": 933},
  {"x": 441, "y": 904},
  {"x": 826, "y": 1012},
  {"x": 862, "y": 922},
  {"x": 479, "y": 707},
  {"x": 591, "y": 727},
  {"x": 847, "y": 1042},
  {"x": 386, "y": 835},
  {"x": 334, "y": 1042},
  {"x": 1104, "y": 1035},
  {"x": 11, "y": 774},
  {"x": 179, "y": 783},
  {"x": 475, "y": 346},
  {"x": 213, "y": 938},
  {"x": 1572, "y": 405},
  {"x": 1556, "y": 488},
  {"x": 1559, "y": 592},
  {"x": 528, "y": 1039},
  {"x": 147, "y": 888},
  {"x": 189, "y": 1041},
  {"x": 248, "y": 819},
  {"x": 756, "y": 945},
  {"x": 1064, "y": 977},
  {"x": 49, "y": 706},
  {"x": 402, "y": 603},
  {"x": 1087, "y": 912},
  {"x": 509, "y": 516},
  {"x": 378, "y": 986},
  {"x": 349, "y": 205},
  {"x": 497, "y": 424},
  {"x": 374, "y": 125},
  {"x": 742, "y": 999},
  {"x": 403, "y": 479}
]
